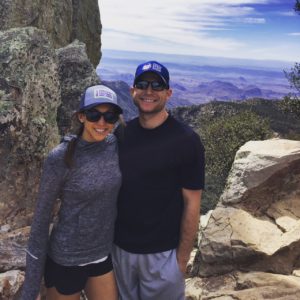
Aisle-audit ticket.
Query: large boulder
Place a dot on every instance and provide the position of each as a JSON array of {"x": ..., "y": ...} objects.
[
  {"x": 64, "y": 21},
  {"x": 256, "y": 225},
  {"x": 87, "y": 27},
  {"x": 75, "y": 74},
  {"x": 29, "y": 97}
]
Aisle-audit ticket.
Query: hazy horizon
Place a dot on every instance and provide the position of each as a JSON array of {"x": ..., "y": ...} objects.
[{"x": 142, "y": 56}]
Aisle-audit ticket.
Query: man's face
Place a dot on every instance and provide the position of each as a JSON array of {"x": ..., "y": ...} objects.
[{"x": 150, "y": 101}]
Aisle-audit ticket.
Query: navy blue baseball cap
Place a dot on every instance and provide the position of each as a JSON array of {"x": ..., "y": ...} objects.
[
  {"x": 154, "y": 67},
  {"x": 96, "y": 95}
]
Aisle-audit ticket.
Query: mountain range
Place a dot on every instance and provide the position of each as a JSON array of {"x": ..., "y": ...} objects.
[{"x": 197, "y": 80}]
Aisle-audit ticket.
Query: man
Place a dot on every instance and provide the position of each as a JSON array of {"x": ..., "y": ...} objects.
[{"x": 162, "y": 165}]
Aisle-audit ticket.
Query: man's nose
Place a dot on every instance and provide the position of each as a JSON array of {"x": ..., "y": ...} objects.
[{"x": 149, "y": 89}]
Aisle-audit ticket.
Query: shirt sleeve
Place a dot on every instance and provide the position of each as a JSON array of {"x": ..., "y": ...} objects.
[
  {"x": 50, "y": 186},
  {"x": 193, "y": 163}
]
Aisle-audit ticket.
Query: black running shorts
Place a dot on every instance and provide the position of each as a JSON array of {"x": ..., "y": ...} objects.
[{"x": 71, "y": 280}]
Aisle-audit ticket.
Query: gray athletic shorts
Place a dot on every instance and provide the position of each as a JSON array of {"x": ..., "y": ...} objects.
[{"x": 153, "y": 276}]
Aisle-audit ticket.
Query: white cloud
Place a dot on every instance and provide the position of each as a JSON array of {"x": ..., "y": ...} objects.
[
  {"x": 294, "y": 34},
  {"x": 254, "y": 20},
  {"x": 288, "y": 13},
  {"x": 172, "y": 26}
]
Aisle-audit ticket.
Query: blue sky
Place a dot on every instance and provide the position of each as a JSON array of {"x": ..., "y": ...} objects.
[{"x": 251, "y": 29}]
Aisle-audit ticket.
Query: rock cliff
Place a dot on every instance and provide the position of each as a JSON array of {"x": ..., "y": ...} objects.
[
  {"x": 250, "y": 246},
  {"x": 64, "y": 21},
  {"x": 29, "y": 97},
  {"x": 43, "y": 70}
]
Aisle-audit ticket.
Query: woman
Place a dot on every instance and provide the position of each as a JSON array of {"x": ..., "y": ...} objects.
[{"x": 82, "y": 172}]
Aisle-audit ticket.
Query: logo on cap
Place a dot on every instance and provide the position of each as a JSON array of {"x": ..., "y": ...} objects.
[
  {"x": 147, "y": 67},
  {"x": 156, "y": 67},
  {"x": 98, "y": 93}
]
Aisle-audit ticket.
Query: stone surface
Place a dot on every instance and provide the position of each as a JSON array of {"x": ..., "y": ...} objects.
[
  {"x": 254, "y": 228},
  {"x": 12, "y": 249},
  {"x": 64, "y": 21},
  {"x": 10, "y": 284},
  {"x": 34, "y": 78},
  {"x": 87, "y": 27},
  {"x": 75, "y": 74},
  {"x": 244, "y": 286},
  {"x": 260, "y": 229},
  {"x": 257, "y": 163},
  {"x": 29, "y": 97}
]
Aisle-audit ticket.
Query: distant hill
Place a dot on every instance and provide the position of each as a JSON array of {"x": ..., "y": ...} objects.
[
  {"x": 238, "y": 116},
  {"x": 225, "y": 126},
  {"x": 124, "y": 98},
  {"x": 285, "y": 125},
  {"x": 197, "y": 80}
]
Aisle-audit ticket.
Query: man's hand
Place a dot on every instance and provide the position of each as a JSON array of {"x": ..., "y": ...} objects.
[
  {"x": 182, "y": 263},
  {"x": 189, "y": 226}
]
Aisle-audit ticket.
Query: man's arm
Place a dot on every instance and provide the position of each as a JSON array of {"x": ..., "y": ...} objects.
[{"x": 189, "y": 226}]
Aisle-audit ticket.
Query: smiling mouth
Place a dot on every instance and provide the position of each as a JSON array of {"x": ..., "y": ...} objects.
[
  {"x": 100, "y": 130},
  {"x": 148, "y": 100}
]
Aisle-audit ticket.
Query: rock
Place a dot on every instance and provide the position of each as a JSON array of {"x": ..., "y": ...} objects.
[
  {"x": 244, "y": 286},
  {"x": 256, "y": 163},
  {"x": 4, "y": 228},
  {"x": 75, "y": 74},
  {"x": 12, "y": 249},
  {"x": 55, "y": 17},
  {"x": 254, "y": 228},
  {"x": 296, "y": 273},
  {"x": 29, "y": 97},
  {"x": 257, "y": 225},
  {"x": 64, "y": 21},
  {"x": 10, "y": 284},
  {"x": 87, "y": 27}
]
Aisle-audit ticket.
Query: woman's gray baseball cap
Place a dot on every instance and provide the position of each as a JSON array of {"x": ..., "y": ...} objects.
[{"x": 99, "y": 94}]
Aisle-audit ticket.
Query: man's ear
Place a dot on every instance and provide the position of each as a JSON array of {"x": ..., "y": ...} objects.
[
  {"x": 169, "y": 93},
  {"x": 131, "y": 91}
]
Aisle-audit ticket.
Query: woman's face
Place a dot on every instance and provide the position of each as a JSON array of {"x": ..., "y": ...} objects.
[{"x": 96, "y": 130}]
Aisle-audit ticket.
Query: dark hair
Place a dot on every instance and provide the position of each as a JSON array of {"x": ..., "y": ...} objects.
[
  {"x": 79, "y": 127},
  {"x": 68, "y": 158}
]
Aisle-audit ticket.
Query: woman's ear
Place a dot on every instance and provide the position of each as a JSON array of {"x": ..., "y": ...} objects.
[{"x": 81, "y": 117}]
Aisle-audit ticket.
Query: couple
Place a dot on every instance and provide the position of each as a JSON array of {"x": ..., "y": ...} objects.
[{"x": 129, "y": 205}]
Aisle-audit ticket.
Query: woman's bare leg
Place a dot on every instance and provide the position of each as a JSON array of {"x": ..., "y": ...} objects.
[
  {"x": 102, "y": 287},
  {"x": 53, "y": 294}
]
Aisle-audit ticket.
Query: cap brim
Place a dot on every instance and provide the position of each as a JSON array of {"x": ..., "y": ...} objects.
[
  {"x": 117, "y": 107},
  {"x": 152, "y": 71}
]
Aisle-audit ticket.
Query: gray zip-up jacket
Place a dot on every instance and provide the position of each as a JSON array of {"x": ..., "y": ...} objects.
[{"x": 88, "y": 193}]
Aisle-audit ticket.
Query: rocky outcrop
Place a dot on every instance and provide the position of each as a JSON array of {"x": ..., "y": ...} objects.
[
  {"x": 87, "y": 27},
  {"x": 39, "y": 87},
  {"x": 255, "y": 227},
  {"x": 29, "y": 97},
  {"x": 35, "y": 80},
  {"x": 64, "y": 21},
  {"x": 75, "y": 74}
]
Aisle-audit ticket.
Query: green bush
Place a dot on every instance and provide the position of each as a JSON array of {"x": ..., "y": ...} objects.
[{"x": 222, "y": 138}]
